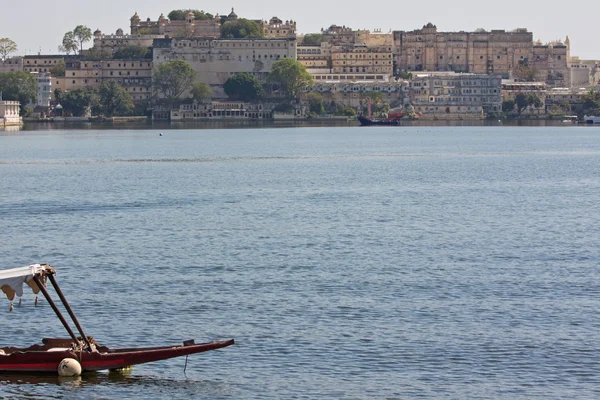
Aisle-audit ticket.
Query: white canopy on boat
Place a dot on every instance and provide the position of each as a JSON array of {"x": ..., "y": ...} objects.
[{"x": 11, "y": 280}]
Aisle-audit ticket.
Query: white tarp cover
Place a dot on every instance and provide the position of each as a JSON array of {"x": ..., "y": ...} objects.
[{"x": 11, "y": 280}]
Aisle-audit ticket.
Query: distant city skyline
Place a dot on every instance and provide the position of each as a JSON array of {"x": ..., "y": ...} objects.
[{"x": 40, "y": 27}]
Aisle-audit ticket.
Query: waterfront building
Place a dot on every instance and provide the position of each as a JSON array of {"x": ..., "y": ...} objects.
[
  {"x": 217, "y": 110},
  {"x": 351, "y": 93},
  {"x": 315, "y": 58},
  {"x": 14, "y": 64},
  {"x": 134, "y": 75},
  {"x": 9, "y": 113},
  {"x": 44, "y": 96},
  {"x": 215, "y": 60},
  {"x": 455, "y": 96},
  {"x": 511, "y": 89}
]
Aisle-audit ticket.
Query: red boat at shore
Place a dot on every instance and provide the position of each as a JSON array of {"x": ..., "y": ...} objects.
[
  {"x": 81, "y": 349},
  {"x": 393, "y": 118}
]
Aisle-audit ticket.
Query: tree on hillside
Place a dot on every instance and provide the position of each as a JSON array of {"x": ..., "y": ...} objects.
[
  {"x": 534, "y": 100},
  {"x": 7, "y": 46},
  {"x": 179, "y": 15},
  {"x": 241, "y": 29},
  {"x": 591, "y": 102},
  {"x": 243, "y": 87},
  {"x": 58, "y": 69},
  {"x": 114, "y": 99},
  {"x": 290, "y": 76},
  {"x": 69, "y": 43},
  {"x": 82, "y": 34},
  {"x": 172, "y": 78},
  {"x": 200, "y": 91},
  {"x": 313, "y": 39},
  {"x": 132, "y": 53},
  {"x": 97, "y": 53},
  {"x": 18, "y": 86}
]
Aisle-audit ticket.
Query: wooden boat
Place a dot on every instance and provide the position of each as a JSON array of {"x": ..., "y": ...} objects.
[
  {"x": 393, "y": 118},
  {"x": 84, "y": 349}
]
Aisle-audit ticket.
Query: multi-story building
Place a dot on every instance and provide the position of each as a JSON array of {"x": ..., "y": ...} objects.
[
  {"x": 315, "y": 58},
  {"x": 584, "y": 73},
  {"x": 550, "y": 62},
  {"x": 495, "y": 52},
  {"x": 351, "y": 93},
  {"x": 189, "y": 27},
  {"x": 13, "y": 64},
  {"x": 441, "y": 95},
  {"x": 44, "y": 82},
  {"x": 215, "y": 60},
  {"x": 119, "y": 39},
  {"x": 482, "y": 52},
  {"x": 511, "y": 89},
  {"x": 362, "y": 59},
  {"x": 134, "y": 75},
  {"x": 42, "y": 63},
  {"x": 277, "y": 29}
]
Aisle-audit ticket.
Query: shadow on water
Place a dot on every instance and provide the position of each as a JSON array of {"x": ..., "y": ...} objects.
[{"x": 124, "y": 382}]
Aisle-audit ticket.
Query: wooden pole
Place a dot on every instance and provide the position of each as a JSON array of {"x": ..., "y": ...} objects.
[
  {"x": 56, "y": 310},
  {"x": 70, "y": 311}
]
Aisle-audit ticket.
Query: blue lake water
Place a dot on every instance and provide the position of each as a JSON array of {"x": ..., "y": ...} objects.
[{"x": 347, "y": 263}]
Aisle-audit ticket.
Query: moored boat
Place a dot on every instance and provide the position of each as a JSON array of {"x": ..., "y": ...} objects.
[
  {"x": 393, "y": 117},
  {"x": 82, "y": 350},
  {"x": 591, "y": 119}
]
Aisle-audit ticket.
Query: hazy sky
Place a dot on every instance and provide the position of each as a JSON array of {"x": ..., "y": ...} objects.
[{"x": 37, "y": 24}]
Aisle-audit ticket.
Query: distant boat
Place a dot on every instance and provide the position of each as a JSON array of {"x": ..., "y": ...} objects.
[
  {"x": 366, "y": 121},
  {"x": 591, "y": 119},
  {"x": 393, "y": 118}
]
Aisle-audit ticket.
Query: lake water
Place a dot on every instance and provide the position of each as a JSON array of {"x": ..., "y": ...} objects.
[{"x": 347, "y": 263}]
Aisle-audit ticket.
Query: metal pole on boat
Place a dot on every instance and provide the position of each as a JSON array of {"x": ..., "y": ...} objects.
[
  {"x": 56, "y": 310},
  {"x": 70, "y": 311}
]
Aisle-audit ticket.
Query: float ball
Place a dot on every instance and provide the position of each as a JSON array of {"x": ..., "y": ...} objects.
[{"x": 69, "y": 367}]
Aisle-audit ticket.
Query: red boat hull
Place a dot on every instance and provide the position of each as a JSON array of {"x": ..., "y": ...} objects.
[{"x": 47, "y": 361}]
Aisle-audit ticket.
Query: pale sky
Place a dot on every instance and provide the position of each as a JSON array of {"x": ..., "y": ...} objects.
[{"x": 37, "y": 25}]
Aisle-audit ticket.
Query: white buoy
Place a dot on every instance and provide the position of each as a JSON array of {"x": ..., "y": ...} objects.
[{"x": 69, "y": 367}]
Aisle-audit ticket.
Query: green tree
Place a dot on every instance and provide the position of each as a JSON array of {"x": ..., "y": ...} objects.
[
  {"x": 378, "y": 104},
  {"x": 69, "y": 43},
  {"x": 58, "y": 69},
  {"x": 243, "y": 87},
  {"x": 132, "y": 53},
  {"x": 18, "y": 86},
  {"x": 97, "y": 53},
  {"x": 591, "y": 102},
  {"x": 405, "y": 75},
  {"x": 179, "y": 15},
  {"x": 313, "y": 39},
  {"x": 534, "y": 100},
  {"x": 241, "y": 29},
  {"x": 82, "y": 34},
  {"x": 524, "y": 73},
  {"x": 521, "y": 102},
  {"x": 58, "y": 93},
  {"x": 315, "y": 103},
  {"x": 7, "y": 46},
  {"x": 508, "y": 105},
  {"x": 172, "y": 78},
  {"x": 200, "y": 91},
  {"x": 114, "y": 99},
  {"x": 77, "y": 102},
  {"x": 290, "y": 76}
]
